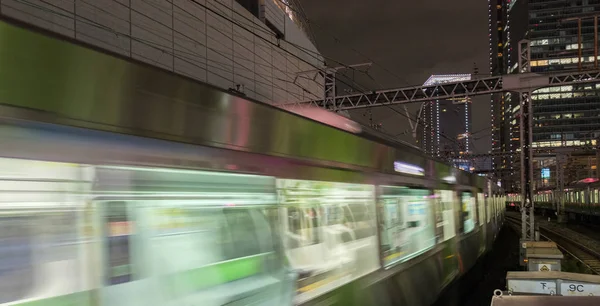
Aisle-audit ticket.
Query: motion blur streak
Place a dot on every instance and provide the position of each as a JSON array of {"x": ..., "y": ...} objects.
[
  {"x": 75, "y": 233},
  {"x": 327, "y": 117},
  {"x": 122, "y": 184}
]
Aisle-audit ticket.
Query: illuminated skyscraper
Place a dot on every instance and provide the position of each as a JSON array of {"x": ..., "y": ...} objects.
[
  {"x": 566, "y": 116},
  {"x": 445, "y": 125}
]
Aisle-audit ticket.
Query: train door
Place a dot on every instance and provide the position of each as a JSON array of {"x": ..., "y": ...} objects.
[
  {"x": 587, "y": 200},
  {"x": 179, "y": 237},
  {"x": 330, "y": 233},
  {"x": 122, "y": 279},
  {"x": 408, "y": 223}
]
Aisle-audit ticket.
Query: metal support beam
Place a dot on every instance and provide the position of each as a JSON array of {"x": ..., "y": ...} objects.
[
  {"x": 524, "y": 56},
  {"x": 526, "y": 138},
  {"x": 579, "y": 44},
  {"x": 596, "y": 42},
  {"x": 329, "y": 82},
  {"x": 514, "y": 82},
  {"x": 413, "y": 126},
  {"x": 330, "y": 90}
]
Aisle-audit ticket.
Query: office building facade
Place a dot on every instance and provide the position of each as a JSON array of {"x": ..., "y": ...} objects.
[{"x": 564, "y": 116}]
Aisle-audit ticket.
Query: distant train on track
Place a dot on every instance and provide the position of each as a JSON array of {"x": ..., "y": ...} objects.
[
  {"x": 122, "y": 184},
  {"x": 582, "y": 199}
]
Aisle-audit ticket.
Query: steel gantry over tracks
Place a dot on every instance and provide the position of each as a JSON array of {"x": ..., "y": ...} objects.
[{"x": 527, "y": 81}]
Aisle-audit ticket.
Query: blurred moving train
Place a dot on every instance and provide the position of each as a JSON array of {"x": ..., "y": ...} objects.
[{"x": 123, "y": 184}]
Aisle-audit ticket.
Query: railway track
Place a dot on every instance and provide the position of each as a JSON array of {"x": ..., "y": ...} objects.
[{"x": 569, "y": 244}]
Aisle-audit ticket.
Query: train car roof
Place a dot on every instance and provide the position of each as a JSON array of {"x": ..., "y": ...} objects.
[{"x": 114, "y": 93}]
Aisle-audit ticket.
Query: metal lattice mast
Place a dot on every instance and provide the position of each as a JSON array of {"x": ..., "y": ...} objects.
[
  {"x": 330, "y": 90},
  {"x": 526, "y": 139},
  {"x": 329, "y": 84}
]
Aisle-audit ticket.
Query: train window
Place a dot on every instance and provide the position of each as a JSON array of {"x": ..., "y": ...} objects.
[
  {"x": 498, "y": 205},
  {"x": 571, "y": 197},
  {"x": 406, "y": 223},
  {"x": 40, "y": 243},
  {"x": 16, "y": 250},
  {"x": 362, "y": 217},
  {"x": 243, "y": 233},
  {"x": 497, "y": 202},
  {"x": 489, "y": 207},
  {"x": 330, "y": 233},
  {"x": 188, "y": 234},
  {"x": 468, "y": 212},
  {"x": 481, "y": 208},
  {"x": 36, "y": 245},
  {"x": 445, "y": 214}
]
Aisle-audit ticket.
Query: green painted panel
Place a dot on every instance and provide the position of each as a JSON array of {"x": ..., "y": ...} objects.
[
  {"x": 89, "y": 88},
  {"x": 75, "y": 299},
  {"x": 187, "y": 282},
  {"x": 179, "y": 284}
]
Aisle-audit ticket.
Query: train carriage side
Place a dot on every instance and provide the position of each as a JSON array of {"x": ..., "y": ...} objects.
[
  {"x": 206, "y": 196},
  {"x": 336, "y": 217}
]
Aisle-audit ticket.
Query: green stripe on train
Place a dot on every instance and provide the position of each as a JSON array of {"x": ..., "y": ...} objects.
[
  {"x": 181, "y": 284},
  {"x": 177, "y": 284},
  {"x": 75, "y": 299}
]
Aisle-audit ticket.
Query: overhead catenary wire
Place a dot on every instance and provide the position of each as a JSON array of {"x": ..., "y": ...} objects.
[
  {"x": 313, "y": 54},
  {"x": 166, "y": 49},
  {"x": 306, "y": 51},
  {"x": 322, "y": 70},
  {"x": 338, "y": 40},
  {"x": 301, "y": 48}
]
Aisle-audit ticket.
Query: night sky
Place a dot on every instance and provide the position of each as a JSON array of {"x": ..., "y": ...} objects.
[{"x": 412, "y": 40}]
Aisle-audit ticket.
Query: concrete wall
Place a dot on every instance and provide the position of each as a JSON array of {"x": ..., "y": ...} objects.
[{"x": 214, "y": 41}]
